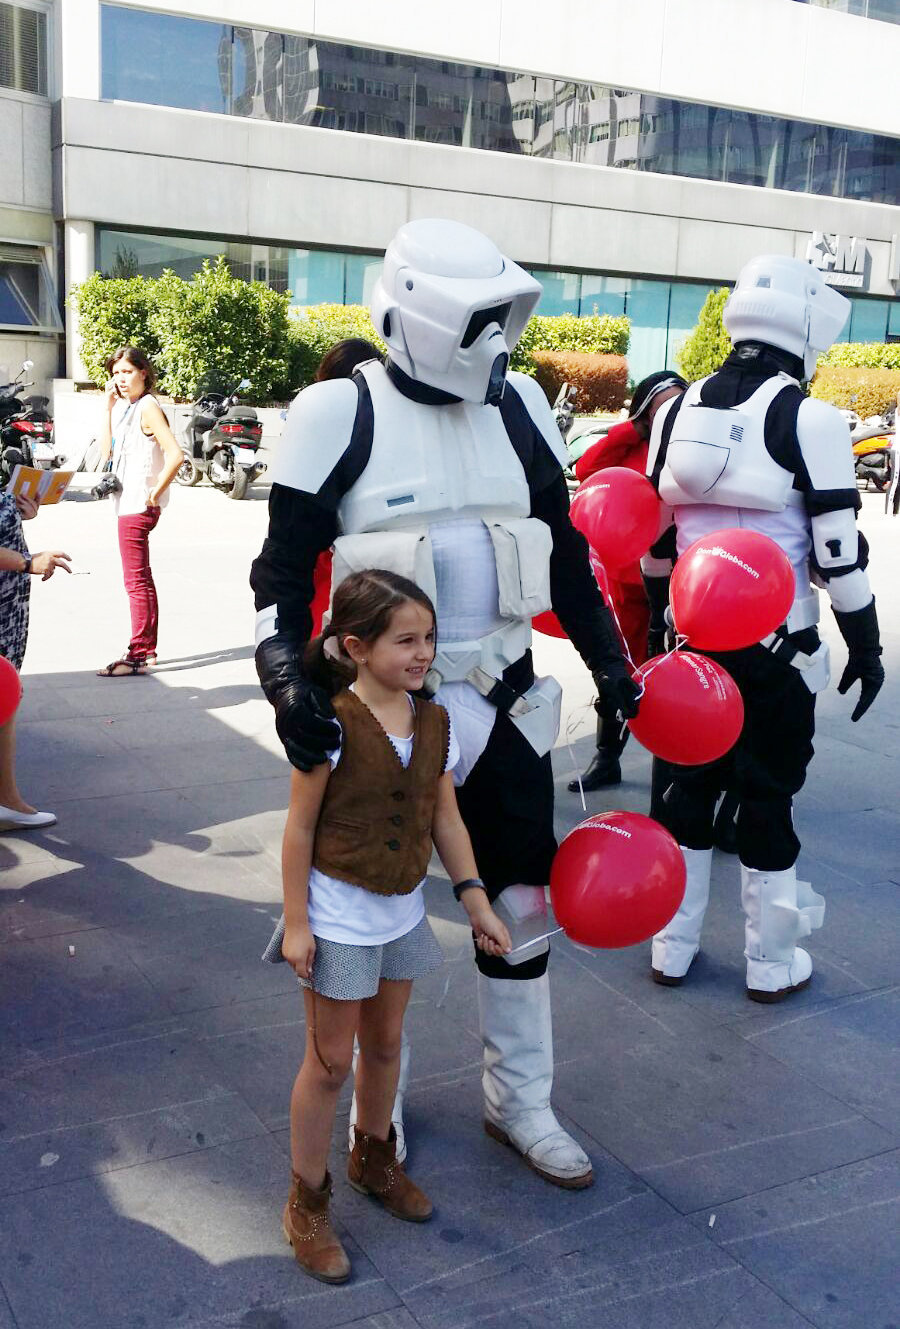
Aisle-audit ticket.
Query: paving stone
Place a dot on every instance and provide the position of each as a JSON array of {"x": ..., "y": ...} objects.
[
  {"x": 47, "y": 993},
  {"x": 113, "y": 1107},
  {"x": 827, "y": 1245},
  {"x": 186, "y": 1240},
  {"x": 611, "y": 1272},
  {"x": 85, "y": 756},
  {"x": 862, "y": 1068},
  {"x": 702, "y": 1120}
]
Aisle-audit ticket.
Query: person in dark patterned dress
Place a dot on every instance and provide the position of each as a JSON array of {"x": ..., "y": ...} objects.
[{"x": 17, "y": 567}]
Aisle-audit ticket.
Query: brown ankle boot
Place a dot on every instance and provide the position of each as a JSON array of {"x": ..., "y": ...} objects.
[
  {"x": 373, "y": 1170},
  {"x": 308, "y": 1229}
]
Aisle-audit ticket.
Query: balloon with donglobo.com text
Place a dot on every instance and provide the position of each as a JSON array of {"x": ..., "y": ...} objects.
[
  {"x": 691, "y": 711},
  {"x": 617, "y": 879},
  {"x": 10, "y": 690},
  {"x": 617, "y": 511},
  {"x": 730, "y": 589}
]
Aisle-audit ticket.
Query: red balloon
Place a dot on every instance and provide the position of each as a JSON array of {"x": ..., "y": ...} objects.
[
  {"x": 691, "y": 711},
  {"x": 10, "y": 690},
  {"x": 549, "y": 624},
  {"x": 617, "y": 510},
  {"x": 617, "y": 879},
  {"x": 730, "y": 589}
]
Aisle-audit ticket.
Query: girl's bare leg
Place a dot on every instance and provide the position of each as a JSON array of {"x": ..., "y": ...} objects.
[
  {"x": 315, "y": 1093},
  {"x": 380, "y": 1035},
  {"x": 9, "y": 790}
]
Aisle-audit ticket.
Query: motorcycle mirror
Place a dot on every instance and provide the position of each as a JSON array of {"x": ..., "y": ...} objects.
[
  {"x": 244, "y": 385},
  {"x": 27, "y": 364}
]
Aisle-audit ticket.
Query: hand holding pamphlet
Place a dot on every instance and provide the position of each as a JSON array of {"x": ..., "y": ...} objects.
[{"x": 40, "y": 486}]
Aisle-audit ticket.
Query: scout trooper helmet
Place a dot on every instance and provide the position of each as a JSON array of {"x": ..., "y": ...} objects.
[
  {"x": 451, "y": 308},
  {"x": 785, "y": 302}
]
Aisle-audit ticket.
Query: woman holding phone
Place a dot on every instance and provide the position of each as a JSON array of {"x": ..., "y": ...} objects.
[{"x": 144, "y": 459}]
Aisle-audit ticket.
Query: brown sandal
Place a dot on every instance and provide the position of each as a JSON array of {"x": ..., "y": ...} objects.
[{"x": 124, "y": 668}]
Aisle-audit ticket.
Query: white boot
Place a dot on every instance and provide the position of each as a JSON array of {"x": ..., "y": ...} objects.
[
  {"x": 779, "y": 909},
  {"x": 517, "y": 1034},
  {"x": 675, "y": 947},
  {"x": 396, "y": 1110}
]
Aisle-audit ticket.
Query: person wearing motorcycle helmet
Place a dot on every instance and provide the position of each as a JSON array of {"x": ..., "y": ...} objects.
[
  {"x": 639, "y": 602},
  {"x": 746, "y": 447},
  {"x": 444, "y": 467}
]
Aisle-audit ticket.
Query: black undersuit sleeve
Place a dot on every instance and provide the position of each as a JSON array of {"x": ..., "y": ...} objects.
[{"x": 300, "y": 529}]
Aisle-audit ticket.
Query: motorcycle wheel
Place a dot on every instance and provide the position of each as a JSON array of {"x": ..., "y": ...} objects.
[
  {"x": 188, "y": 474},
  {"x": 241, "y": 483}
]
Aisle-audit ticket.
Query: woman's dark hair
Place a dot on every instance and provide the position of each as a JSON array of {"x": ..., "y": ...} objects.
[
  {"x": 140, "y": 359},
  {"x": 362, "y": 606},
  {"x": 650, "y": 387},
  {"x": 343, "y": 358}
]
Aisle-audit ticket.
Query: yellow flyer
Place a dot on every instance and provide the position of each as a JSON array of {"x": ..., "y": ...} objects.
[{"x": 40, "y": 486}]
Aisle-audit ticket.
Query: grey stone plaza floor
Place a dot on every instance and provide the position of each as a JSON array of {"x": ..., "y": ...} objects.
[{"x": 746, "y": 1157}]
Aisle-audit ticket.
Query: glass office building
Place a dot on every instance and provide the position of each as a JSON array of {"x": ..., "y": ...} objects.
[{"x": 153, "y": 136}]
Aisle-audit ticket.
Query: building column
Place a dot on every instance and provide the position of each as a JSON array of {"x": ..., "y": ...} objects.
[{"x": 79, "y": 246}]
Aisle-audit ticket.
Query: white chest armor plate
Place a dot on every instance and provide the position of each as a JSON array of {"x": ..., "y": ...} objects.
[
  {"x": 432, "y": 463},
  {"x": 718, "y": 455}
]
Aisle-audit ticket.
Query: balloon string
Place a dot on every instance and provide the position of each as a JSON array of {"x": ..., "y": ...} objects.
[
  {"x": 534, "y": 941},
  {"x": 576, "y": 720},
  {"x": 680, "y": 643}
]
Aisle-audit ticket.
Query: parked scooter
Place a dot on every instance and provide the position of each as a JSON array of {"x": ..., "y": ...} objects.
[
  {"x": 26, "y": 428},
  {"x": 221, "y": 439},
  {"x": 872, "y": 440}
]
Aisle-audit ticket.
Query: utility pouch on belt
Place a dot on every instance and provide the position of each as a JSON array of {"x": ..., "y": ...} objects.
[
  {"x": 407, "y": 552},
  {"x": 522, "y": 549}
]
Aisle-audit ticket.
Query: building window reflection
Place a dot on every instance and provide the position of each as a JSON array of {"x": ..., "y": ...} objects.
[{"x": 199, "y": 65}]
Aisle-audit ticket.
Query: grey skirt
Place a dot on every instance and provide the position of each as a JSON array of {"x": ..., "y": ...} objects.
[{"x": 353, "y": 973}]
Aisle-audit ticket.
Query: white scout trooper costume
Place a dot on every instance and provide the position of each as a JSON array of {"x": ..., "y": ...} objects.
[
  {"x": 747, "y": 448},
  {"x": 440, "y": 466}
]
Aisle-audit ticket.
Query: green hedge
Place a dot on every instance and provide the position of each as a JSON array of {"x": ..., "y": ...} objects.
[
  {"x": 214, "y": 329},
  {"x": 207, "y": 332},
  {"x": 598, "y": 334},
  {"x": 866, "y": 391},
  {"x": 863, "y": 355}
]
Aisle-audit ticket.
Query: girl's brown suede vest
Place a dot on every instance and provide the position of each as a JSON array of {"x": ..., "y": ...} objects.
[{"x": 374, "y": 828}]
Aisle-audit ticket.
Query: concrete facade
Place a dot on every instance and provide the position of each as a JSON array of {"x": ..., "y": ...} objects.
[{"x": 158, "y": 169}]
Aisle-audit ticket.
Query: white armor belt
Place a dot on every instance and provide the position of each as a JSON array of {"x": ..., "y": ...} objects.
[
  {"x": 815, "y": 668},
  {"x": 481, "y": 662}
]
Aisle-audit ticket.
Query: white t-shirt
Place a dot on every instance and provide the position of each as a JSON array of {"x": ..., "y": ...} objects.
[
  {"x": 137, "y": 459},
  {"x": 339, "y": 911}
]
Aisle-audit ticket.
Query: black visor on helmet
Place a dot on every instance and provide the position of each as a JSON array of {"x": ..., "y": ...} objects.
[{"x": 481, "y": 319}]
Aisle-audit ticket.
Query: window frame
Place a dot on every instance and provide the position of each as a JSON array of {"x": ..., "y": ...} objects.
[
  {"x": 32, "y": 256},
  {"x": 44, "y": 7}
]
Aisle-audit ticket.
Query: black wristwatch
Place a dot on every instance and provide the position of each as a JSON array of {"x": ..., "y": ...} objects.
[
  {"x": 466, "y": 885},
  {"x": 27, "y": 568}
]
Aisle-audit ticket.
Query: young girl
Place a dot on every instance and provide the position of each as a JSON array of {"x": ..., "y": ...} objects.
[{"x": 356, "y": 849}]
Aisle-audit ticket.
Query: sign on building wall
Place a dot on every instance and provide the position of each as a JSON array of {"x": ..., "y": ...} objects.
[{"x": 840, "y": 258}]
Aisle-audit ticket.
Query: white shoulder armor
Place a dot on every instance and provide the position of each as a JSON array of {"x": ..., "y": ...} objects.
[
  {"x": 825, "y": 444},
  {"x": 316, "y": 435},
  {"x": 538, "y": 407}
]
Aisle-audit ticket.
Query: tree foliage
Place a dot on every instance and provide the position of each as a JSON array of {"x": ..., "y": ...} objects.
[{"x": 704, "y": 349}]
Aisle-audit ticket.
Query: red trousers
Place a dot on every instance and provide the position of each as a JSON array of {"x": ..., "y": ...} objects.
[{"x": 134, "y": 546}]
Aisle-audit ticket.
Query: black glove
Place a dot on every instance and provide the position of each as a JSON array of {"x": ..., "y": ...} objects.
[
  {"x": 304, "y": 716},
  {"x": 306, "y": 724},
  {"x": 618, "y": 690},
  {"x": 860, "y": 631}
]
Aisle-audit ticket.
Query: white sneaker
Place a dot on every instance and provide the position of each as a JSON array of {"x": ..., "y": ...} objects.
[{"x": 11, "y": 820}]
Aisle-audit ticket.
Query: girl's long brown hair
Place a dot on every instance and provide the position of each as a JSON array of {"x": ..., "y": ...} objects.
[{"x": 362, "y": 606}]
